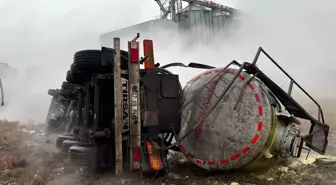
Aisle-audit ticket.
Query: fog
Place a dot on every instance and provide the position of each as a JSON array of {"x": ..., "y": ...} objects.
[{"x": 41, "y": 37}]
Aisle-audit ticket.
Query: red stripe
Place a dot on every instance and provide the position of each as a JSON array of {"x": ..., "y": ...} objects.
[
  {"x": 224, "y": 161},
  {"x": 246, "y": 149},
  {"x": 200, "y": 162},
  {"x": 251, "y": 86},
  {"x": 234, "y": 157},
  {"x": 190, "y": 155},
  {"x": 197, "y": 78},
  {"x": 182, "y": 148},
  {"x": 260, "y": 110},
  {"x": 260, "y": 125},
  {"x": 241, "y": 77},
  {"x": 255, "y": 139},
  {"x": 257, "y": 98},
  {"x": 207, "y": 73},
  {"x": 231, "y": 72},
  {"x": 211, "y": 163}
]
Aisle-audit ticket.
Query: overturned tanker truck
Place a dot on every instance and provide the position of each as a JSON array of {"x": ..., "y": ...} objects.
[{"x": 226, "y": 118}]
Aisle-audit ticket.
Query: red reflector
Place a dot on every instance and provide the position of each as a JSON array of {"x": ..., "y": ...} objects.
[
  {"x": 134, "y": 51},
  {"x": 148, "y": 51},
  {"x": 136, "y": 154}
]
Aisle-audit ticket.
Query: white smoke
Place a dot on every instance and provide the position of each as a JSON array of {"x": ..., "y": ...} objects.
[{"x": 298, "y": 34}]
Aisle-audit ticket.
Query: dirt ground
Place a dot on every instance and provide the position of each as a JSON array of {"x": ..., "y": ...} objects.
[{"x": 28, "y": 157}]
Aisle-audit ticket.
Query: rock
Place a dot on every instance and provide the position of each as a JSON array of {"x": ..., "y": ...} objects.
[
  {"x": 325, "y": 161},
  {"x": 5, "y": 173},
  {"x": 296, "y": 165},
  {"x": 234, "y": 183},
  {"x": 291, "y": 172},
  {"x": 182, "y": 161},
  {"x": 270, "y": 179},
  {"x": 58, "y": 170},
  {"x": 174, "y": 176},
  {"x": 125, "y": 181},
  {"x": 38, "y": 180},
  {"x": 18, "y": 162},
  {"x": 283, "y": 169}
]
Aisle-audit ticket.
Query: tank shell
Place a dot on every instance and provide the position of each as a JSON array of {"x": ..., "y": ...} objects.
[{"x": 228, "y": 138}]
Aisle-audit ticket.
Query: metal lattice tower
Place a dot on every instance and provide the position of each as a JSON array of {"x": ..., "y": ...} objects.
[{"x": 169, "y": 8}]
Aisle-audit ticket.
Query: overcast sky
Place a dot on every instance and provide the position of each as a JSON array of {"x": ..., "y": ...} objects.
[
  {"x": 29, "y": 25},
  {"x": 300, "y": 34}
]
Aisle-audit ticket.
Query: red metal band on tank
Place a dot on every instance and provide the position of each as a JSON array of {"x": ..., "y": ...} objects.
[
  {"x": 225, "y": 161},
  {"x": 211, "y": 163},
  {"x": 200, "y": 162},
  {"x": 234, "y": 157},
  {"x": 246, "y": 149},
  {"x": 190, "y": 155},
  {"x": 260, "y": 110},
  {"x": 256, "y": 96},
  {"x": 207, "y": 73},
  {"x": 254, "y": 139},
  {"x": 260, "y": 125},
  {"x": 182, "y": 148},
  {"x": 251, "y": 86},
  {"x": 197, "y": 78}
]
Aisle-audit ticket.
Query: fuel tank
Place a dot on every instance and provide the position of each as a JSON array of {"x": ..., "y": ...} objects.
[{"x": 231, "y": 131}]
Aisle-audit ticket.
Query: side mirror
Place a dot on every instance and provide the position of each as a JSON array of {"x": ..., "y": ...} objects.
[{"x": 53, "y": 92}]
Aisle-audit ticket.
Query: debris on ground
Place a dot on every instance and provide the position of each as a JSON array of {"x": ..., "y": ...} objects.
[{"x": 28, "y": 157}]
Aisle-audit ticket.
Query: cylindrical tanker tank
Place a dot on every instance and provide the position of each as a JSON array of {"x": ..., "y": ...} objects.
[{"x": 235, "y": 130}]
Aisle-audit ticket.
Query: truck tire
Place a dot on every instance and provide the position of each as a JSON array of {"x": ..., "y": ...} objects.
[
  {"x": 67, "y": 144},
  {"x": 86, "y": 61},
  {"x": 53, "y": 92},
  {"x": 68, "y": 86},
  {"x": 65, "y": 92},
  {"x": 69, "y": 77},
  {"x": 61, "y": 138},
  {"x": 90, "y": 61},
  {"x": 83, "y": 156},
  {"x": 76, "y": 78}
]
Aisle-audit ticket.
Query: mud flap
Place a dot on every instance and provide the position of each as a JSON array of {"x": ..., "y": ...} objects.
[{"x": 154, "y": 159}]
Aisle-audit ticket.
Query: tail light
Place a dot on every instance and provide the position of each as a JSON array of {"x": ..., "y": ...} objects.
[
  {"x": 136, "y": 153},
  {"x": 148, "y": 51},
  {"x": 154, "y": 156},
  {"x": 134, "y": 51}
]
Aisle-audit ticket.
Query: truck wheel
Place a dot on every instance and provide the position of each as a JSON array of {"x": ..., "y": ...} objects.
[
  {"x": 86, "y": 60},
  {"x": 69, "y": 77},
  {"x": 68, "y": 86},
  {"x": 53, "y": 92},
  {"x": 90, "y": 61},
  {"x": 61, "y": 138},
  {"x": 67, "y": 144},
  {"x": 83, "y": 156},
  {"x": 65, "y": 92}
]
